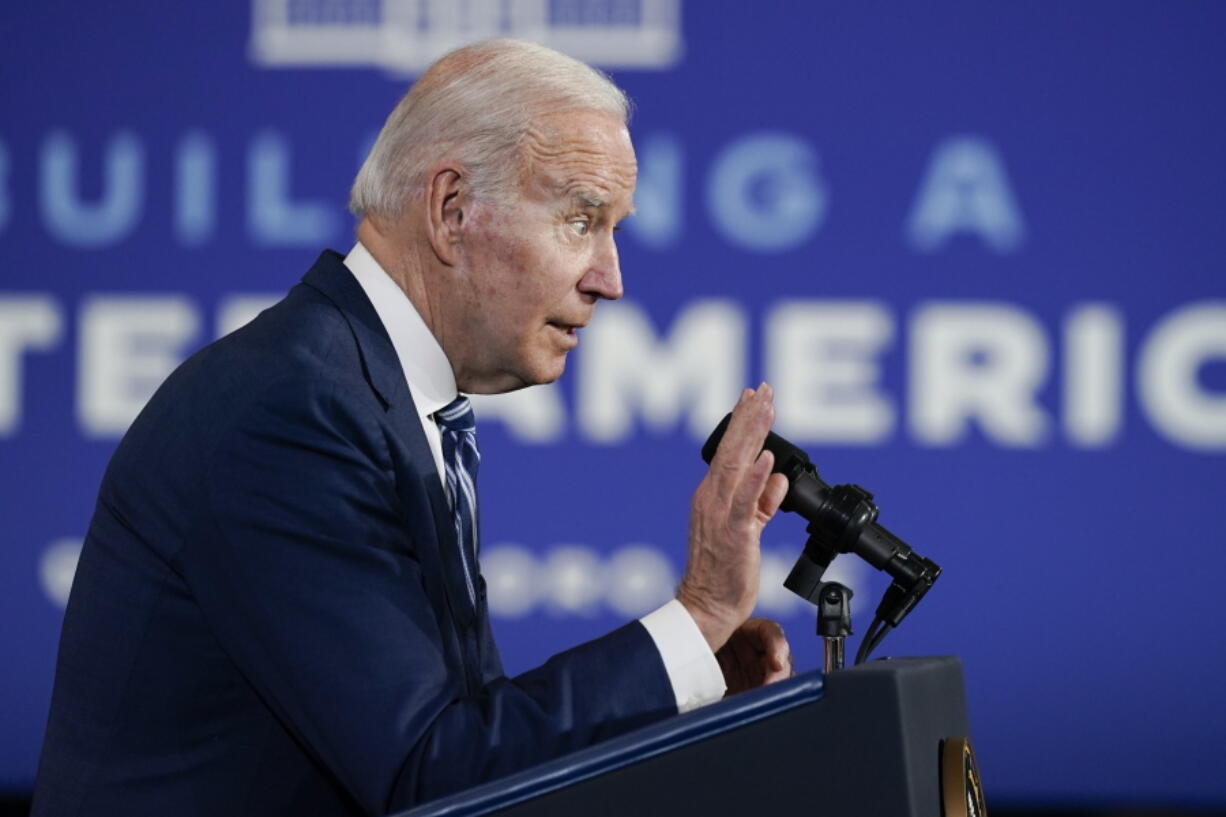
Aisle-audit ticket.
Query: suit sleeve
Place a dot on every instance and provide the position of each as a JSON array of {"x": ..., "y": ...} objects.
[{"x": 308, "y": 576}]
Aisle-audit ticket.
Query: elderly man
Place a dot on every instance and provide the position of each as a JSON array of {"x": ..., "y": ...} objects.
[{"x": 278, "y": 608}]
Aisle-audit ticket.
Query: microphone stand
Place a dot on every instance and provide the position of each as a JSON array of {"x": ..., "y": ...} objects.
[
  {"x": 847, "y": 515},
  {"x": 842, "y": 519},
  {"x": 833, "y": 624}
]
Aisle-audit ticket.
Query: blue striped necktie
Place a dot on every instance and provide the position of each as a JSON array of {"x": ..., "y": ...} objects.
[{"x": 460, "y": 459}]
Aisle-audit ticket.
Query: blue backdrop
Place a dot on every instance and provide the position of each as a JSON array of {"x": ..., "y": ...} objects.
[{"x": 977, "y": 248}]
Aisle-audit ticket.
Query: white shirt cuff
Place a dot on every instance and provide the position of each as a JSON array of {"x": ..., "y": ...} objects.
[{"x": 692, "y": 669}]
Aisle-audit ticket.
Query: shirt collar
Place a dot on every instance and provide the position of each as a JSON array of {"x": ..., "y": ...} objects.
[{"x": 426, "y": 368}]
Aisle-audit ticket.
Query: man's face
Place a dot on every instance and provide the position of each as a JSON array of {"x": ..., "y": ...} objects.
[{"x": 533, "y": 268}]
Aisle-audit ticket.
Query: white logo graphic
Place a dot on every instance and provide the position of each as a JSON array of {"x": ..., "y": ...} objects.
[
  {"x": 575, "y": 580},
  {"x": 58, "y": 566},
  {"x": 405, "y": 36}
]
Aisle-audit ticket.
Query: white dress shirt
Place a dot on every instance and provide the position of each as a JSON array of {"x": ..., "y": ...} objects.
[{"x": 692, "y": 669}]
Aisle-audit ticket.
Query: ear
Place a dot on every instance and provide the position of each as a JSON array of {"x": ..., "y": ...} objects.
[{"x": 447, "y": 199}]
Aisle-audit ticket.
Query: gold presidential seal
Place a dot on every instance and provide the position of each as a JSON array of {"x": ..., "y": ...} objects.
[{"x": 961, "y": 788}]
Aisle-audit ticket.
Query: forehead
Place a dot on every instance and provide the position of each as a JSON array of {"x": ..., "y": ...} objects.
[{"x": 581, "y": 154}]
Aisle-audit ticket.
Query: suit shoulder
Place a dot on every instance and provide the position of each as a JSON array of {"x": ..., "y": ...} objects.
[
  {"x": 301, "y": 345},
  {"x": 304, "y": 331}
]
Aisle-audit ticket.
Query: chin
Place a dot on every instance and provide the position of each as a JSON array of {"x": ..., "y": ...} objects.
[
  {"x": 543, "y": 377},
  {"x": 546, "y": 371},
  {"x": 533, "y": 366},
  {"x": 516, "y": 379}
]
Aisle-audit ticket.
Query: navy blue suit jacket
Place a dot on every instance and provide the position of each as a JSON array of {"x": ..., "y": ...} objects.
[{"x": 270, "y": 616}]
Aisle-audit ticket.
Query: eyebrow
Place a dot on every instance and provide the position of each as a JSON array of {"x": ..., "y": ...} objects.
[{"x": 589, "y": 199}]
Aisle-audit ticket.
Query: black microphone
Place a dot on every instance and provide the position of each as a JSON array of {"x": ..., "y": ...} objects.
[{"x": 842, "y": 519}]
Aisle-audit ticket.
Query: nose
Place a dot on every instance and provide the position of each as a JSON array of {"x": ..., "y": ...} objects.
[{"x": 603, "y": 277}]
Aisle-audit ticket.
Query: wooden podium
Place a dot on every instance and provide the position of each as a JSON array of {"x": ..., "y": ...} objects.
[{"x": 884, "y": 738}]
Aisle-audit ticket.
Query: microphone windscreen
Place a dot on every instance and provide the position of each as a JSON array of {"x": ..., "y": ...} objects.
[
  {"x": 786, "y": 454},
  {"x": 712, "y": 443}
]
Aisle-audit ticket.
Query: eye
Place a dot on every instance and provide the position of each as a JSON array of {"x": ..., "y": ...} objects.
[{"x": 581, "y": 226}]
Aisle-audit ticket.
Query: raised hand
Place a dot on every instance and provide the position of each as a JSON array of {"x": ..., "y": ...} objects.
[{"x": 731, "y": 506}]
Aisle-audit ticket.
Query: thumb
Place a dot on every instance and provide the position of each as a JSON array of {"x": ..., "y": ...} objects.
[{"x": 772, "y": 496}]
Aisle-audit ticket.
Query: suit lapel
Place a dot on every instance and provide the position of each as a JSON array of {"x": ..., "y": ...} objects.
[{"x": 418, "y": 477}]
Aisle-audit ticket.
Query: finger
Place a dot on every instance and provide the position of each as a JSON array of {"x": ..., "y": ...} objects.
[
  {"x": 747, "y": 496},
  {"x": 781, "y": 652},
  {"x": 772, "y": 496},
  {"x": 751, "y": 659},
  {"x": 772, "y": 642},
  {"x": 776, "y": 675},
  {"x": 768, "y": 638},
  {"x": 779, "y": 667},
  {"x": 746, "y": 432}
]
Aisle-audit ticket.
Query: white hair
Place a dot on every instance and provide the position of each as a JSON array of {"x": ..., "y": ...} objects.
[{"x": 475, "y": 105}]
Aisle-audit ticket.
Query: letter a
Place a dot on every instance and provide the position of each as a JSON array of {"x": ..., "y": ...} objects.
[{"x": 966, "y": 190}]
